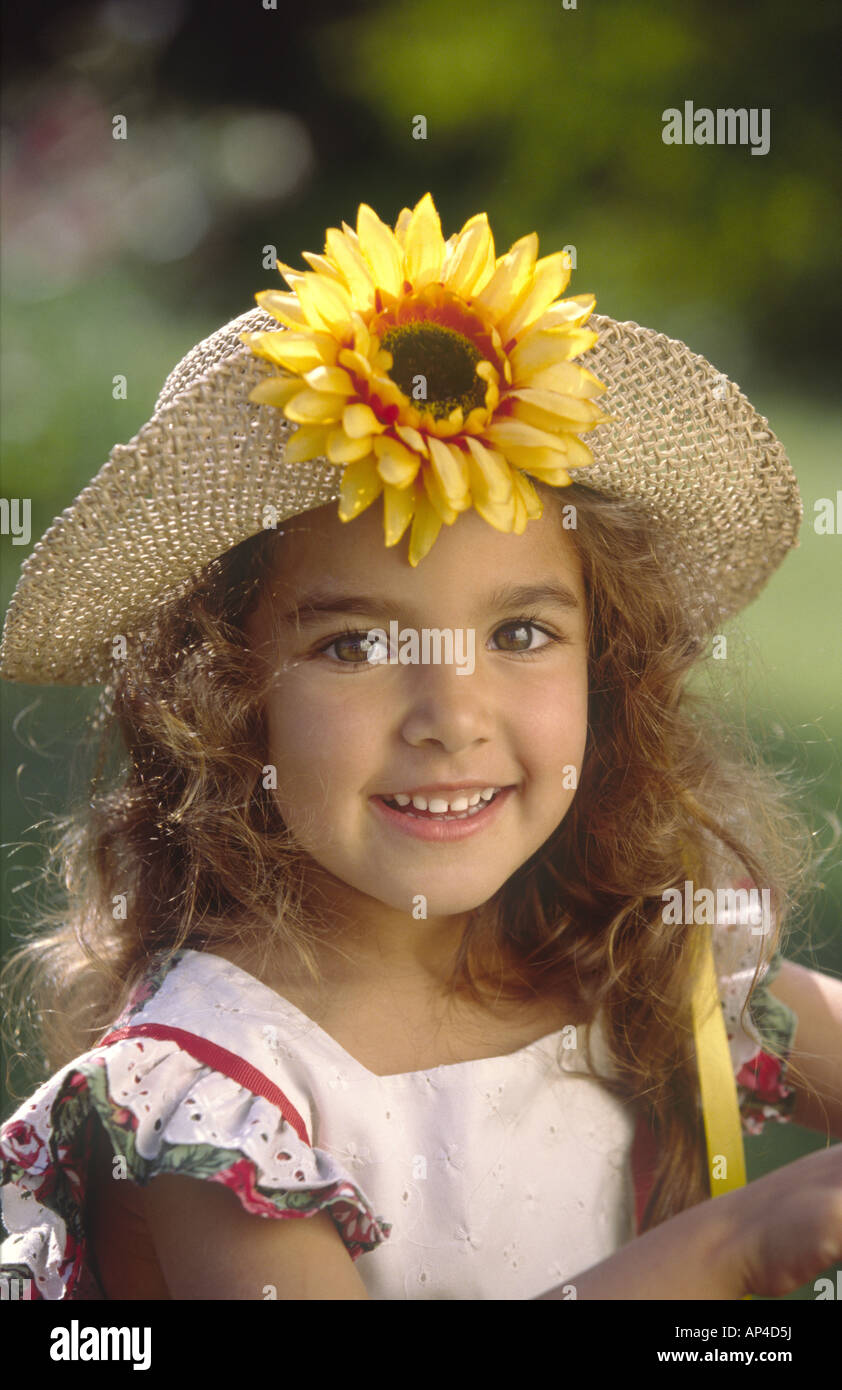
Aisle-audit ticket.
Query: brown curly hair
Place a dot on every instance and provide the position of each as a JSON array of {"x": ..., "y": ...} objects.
[{"x": 185, "y": 831}]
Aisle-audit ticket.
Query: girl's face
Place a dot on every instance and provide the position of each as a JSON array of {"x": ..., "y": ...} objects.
[{"x": 347, "y": 728}]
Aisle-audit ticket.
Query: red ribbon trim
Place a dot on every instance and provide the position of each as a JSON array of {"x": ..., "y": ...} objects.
[{"x": 219, "y": 1059}]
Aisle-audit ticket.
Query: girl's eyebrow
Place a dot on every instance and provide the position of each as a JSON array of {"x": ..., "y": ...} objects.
[{"x": 312, "y": 606}]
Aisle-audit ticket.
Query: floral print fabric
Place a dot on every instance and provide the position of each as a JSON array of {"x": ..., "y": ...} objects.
[{"x": 46, "y": 1150}]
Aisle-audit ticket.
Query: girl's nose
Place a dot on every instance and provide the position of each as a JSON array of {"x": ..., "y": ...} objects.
[{"x": 446, "y": 708}]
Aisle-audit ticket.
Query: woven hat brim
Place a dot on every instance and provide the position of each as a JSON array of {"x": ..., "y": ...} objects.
[{"x": 201, "y": 475}]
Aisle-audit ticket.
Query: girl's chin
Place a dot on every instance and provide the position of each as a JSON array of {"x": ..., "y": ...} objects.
[
  {"x": 420, "y": 894},
  {"x": 429, "y": 896}
]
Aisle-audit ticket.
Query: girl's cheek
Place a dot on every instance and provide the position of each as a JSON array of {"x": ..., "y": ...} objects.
[
  {"x": 558, "y": 707},
  {"x": 317, "y": 723}
]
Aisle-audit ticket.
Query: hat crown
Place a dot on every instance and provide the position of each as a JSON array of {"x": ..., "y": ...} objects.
[{"x": 221, "y": 345}]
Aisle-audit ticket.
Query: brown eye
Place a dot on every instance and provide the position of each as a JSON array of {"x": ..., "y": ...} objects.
[
  {"x": 517, "y": 637},
  {"x": 355, "y": 649}
]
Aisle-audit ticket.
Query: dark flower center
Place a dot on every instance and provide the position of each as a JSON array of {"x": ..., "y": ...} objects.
[{"x": 435, "y": 367}]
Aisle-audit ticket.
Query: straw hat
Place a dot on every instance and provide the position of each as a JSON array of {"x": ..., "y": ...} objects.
[{"x": 200, "y": 475}]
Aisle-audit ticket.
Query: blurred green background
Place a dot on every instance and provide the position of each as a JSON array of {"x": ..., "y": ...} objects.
[{"x": 252, "y": 126}]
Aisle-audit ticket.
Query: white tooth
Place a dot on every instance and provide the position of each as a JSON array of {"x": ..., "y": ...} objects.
[
  {"x": 401, "y": 799},
  {"x": 474, "y": 800},
  {"x": 420, "y": 803},
  {"x": 437, "y": 805},
  {"x": 474, "y": 811},
  {"x": 464, "y": 816},
  {"x": 460, "y": 803},
  {"x": 487, "y": 793}
]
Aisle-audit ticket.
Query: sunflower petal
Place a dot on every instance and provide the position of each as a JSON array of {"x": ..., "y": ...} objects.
[
  {"x": 361, "y": 484},
  {"x": 359, "y": 419},
  {"x": 283, "y": 307},
  {"x": 323, "y": 266},
  {"x": 308, "y": 442},
  {"x": 450, "y": 469},
  {"x": 545, "y": 464},
  {"x": 326, "y": 303},
  {"x": 570, "y": 412},
  {"x": 388, "y": 394},
  {"x": 364, "y": 343},
  {"x": 396, "y": 464},
  {"x": 414, "y": 439},
  {"x": 275, "y": 390},
  {"x": 492, "y": 468},
  {"x": 578, "y": 454},
  {"x": 532, "y": 502},
  {"x": 290, "y": 274},
  {"x": 330, "y": 379},
  {"x": 553, "y": 477},
  {"x": 437, "y": 498},
  {"x": 315, "y": 408},
  {"x": 404, "y": 219},
  {"x": 517, "y": 433},
  {"x": 543, "y": 349},
  {"x": 550, "y": 279},
  {"x": 426, "y": 524},
  {"x": 571, "y": 313},
  {"x": 568, "y": 378},
  {"x": 477, "y": 420},
  {"x": 341, "y": 449},
  {"x": 543, "y": 420},
  {"x": 424, "y": 244},
  {"x": 441, "y": 427},
  {"x": 511, "y": 275},
  {"x": 521, "y": 516},
  {"x": 489, "y": 374},
  {"x": 470, "y": 261},
  {"x": 354, "y": 362},
  {"x": 353, "y": 265},
  {"x": 298, "y": 352},
  {"x": 398, "y": 511},
  {"x": 500, "y": 515},
  {"x": 381, "y": 249}
]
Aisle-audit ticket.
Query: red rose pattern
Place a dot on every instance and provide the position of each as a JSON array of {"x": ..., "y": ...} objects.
[{"x": 762, "y": 1076}]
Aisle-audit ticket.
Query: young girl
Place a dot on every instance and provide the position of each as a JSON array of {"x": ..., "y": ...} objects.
[{"x": 426, "y": 920}]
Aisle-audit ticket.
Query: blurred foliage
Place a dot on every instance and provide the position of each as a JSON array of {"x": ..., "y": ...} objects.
[{"x": 250, "y": 127}]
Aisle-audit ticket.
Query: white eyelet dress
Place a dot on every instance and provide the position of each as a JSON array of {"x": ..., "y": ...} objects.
[{"x": 498, "y": 1178}]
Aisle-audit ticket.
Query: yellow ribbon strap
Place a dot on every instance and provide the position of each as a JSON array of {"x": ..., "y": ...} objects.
[
  {"x": 720, "y": 1107},
  {"x": 723, "y": 1130}
]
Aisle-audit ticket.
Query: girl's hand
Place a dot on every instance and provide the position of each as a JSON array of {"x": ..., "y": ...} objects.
[
  {"x": 766, "y": 1239},
  {"x": 789, "y": 1224}
]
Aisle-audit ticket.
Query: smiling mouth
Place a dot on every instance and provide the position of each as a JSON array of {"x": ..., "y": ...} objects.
[{"x": 415, "y": 814}]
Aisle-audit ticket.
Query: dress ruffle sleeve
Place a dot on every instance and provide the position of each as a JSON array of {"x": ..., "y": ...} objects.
[
  {"x": 761, "y": 1036},
  {"x": 163, "y": 1112}
]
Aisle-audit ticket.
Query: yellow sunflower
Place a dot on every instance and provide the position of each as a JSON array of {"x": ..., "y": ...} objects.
[{"x": 438, "y": 373}]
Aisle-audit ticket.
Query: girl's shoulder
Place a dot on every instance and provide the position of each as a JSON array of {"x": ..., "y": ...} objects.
[{"x": 191, "y": 1079}]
